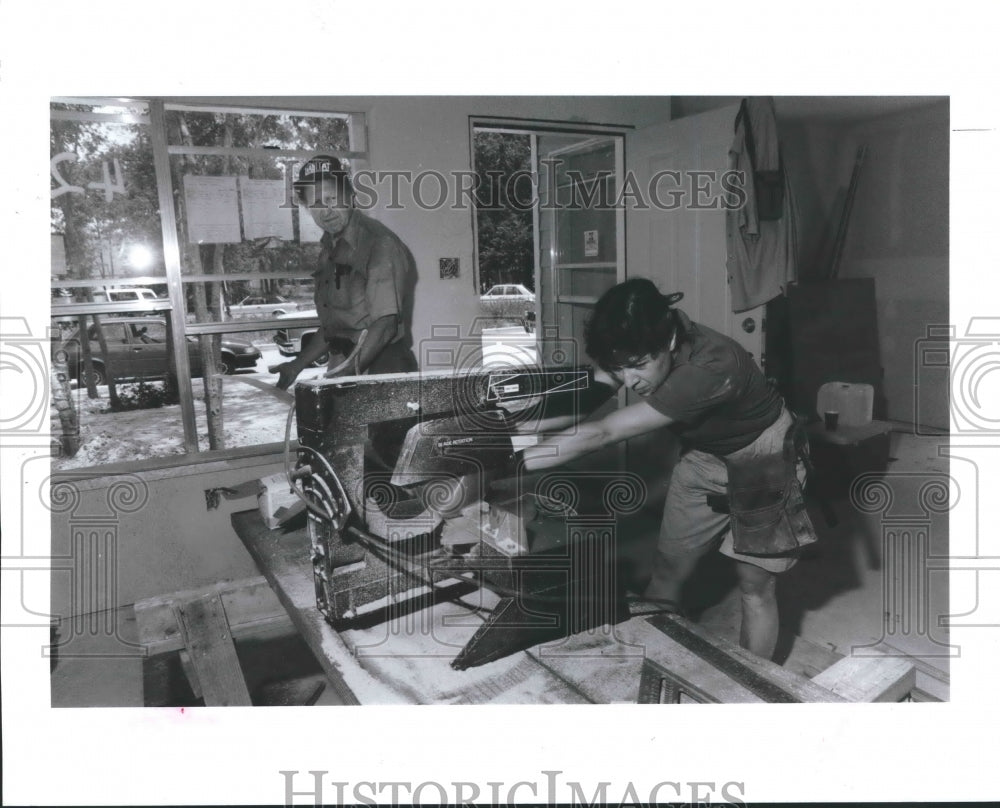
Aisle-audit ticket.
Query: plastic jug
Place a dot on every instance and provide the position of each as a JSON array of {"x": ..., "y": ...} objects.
[{"x": 852, "y": 401}]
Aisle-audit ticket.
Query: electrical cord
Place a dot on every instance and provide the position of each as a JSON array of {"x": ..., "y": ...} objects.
[{"x": 313, "y": 508}]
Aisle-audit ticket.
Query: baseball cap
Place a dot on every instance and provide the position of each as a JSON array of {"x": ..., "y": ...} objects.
[
  {"x": 320, "y": 166},
  {"x": 317, "y": 169}
]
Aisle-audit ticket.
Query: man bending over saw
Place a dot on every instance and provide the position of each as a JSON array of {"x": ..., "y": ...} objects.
[{"x": 736, "y": 487}]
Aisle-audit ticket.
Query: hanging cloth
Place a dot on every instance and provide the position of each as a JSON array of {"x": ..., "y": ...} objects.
[{"x": 760, "y": 234}]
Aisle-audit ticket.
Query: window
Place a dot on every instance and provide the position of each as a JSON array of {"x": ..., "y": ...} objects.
[
  {"x": 549, "y": 231},
  {"x": 245, "y": 258}
]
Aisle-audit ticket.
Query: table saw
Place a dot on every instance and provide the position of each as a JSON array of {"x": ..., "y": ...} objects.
[{"x": 414, "y": 493}]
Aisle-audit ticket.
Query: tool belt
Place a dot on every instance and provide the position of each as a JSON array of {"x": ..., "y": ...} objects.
[{"x": 764, "y": 498}]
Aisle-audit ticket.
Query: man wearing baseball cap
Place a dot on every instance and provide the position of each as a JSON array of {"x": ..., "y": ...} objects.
[{"x": 364, "y": 280}]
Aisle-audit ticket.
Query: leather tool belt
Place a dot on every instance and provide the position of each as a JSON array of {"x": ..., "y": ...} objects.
[{"x": 766, "y": 508}]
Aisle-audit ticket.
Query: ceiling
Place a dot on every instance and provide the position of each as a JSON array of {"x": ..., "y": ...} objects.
[{"x": 835, "y": 109}]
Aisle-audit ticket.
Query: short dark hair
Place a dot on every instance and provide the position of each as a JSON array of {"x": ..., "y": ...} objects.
[
  {"x": 630, "y": 321},
  {"x": 319, "y": 168}
]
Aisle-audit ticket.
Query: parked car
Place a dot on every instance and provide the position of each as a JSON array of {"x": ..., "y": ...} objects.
[
  {"x": 273, "y": 305},
  {"x": 508, "y": 291},
  {"x": 124, "y": 295},
  {"x": 291, "y": 341},
  {"x": 137, "y": 350}
]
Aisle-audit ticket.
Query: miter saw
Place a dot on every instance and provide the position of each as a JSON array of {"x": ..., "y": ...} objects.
[{"x": 415, "y": 493}]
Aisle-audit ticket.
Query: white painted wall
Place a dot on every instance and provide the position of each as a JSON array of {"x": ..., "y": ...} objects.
[
  {"x": 432, "y": 132},
  {"x": 898, "y": 231}
]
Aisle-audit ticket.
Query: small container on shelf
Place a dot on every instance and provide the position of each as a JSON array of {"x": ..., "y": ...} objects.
[{"x": 853, "y": 402}]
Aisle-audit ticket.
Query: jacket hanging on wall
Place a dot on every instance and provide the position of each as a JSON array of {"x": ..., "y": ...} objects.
[{"x": 760, "y": 235}]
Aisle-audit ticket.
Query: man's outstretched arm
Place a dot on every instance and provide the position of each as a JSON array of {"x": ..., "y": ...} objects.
[{"x": 628, "y": 422}]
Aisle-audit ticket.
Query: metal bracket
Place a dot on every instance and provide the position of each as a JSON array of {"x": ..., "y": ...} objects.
[{"x": 213, "y": 496}]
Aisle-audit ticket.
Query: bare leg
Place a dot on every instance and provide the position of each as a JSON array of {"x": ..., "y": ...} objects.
[
  {"x": 669, "y": 575},
  {"x": 759, "y": 631}
]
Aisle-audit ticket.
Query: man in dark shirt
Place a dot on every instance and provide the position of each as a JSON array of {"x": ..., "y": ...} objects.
[
  {"x": 364, "y": 279},
  {"x": 708, "y": 389}
]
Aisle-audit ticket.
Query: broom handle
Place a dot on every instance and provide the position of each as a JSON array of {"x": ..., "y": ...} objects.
[{"x": 838, "y": 246}]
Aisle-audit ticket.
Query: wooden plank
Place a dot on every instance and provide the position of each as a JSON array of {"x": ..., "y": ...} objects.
[
  {"x": 805, "y": 656},
  {"x": 283, "y": 557},
  {"x": 660, "y": 685},
  {"x": 252, "y": 609},
  {"x": 799, "y": 686},
  {"x": 869, "y": 678},
  {"x": 932, "y": 682},
  {"x": 191, "y": 673},
  {"x": 210, "y": 645},
  {"x": 607, "y": 667}
]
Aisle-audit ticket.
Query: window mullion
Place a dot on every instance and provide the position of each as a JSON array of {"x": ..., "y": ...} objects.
[{"x": 172, "y": 263}]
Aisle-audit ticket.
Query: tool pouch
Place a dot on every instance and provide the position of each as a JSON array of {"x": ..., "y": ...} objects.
[{"x": 766, "y": 509}]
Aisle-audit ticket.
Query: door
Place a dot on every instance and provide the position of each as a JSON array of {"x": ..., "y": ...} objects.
[
  {"x": 679, "y": 240},
  {"x": 579, "y": 236}
]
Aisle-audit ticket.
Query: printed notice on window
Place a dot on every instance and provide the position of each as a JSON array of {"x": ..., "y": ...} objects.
[
  {"x": 265, "y": 211},
  {"x": 213, "y": 215}
]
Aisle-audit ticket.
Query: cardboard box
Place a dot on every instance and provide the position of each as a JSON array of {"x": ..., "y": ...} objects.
[{"x": 275, "y": 499}]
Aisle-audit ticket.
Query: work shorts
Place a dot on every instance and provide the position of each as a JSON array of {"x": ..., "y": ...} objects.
[{"x": 690, "y": 527}]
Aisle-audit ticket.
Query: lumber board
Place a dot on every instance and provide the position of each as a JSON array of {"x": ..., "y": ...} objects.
[
  {"x": 191, "y": 673},
  {"x": 251, "y": 607},
  {"x": 869, "y": 678},
  {"x": 932, "y": 680},
  {"x": 210, "y": 646},
  {"x": 798, "y": 686}
]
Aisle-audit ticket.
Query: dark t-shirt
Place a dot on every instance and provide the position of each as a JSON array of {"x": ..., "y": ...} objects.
[{"x": 716, "y": 393}]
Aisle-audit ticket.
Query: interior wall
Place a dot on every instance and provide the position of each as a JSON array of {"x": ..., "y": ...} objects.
[
  {"x": 424, "y": 133},
  {"x": 141, "y": 530},
  {"x": 897, "y": 234}
]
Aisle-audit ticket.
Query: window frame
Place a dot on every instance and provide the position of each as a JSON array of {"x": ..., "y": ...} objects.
[{"x": 173, "y": 307}]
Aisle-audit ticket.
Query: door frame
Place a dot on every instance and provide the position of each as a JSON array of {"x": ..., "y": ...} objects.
[{"x": 535, "y": 128}]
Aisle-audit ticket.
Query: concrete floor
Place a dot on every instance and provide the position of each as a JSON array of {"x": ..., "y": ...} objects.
[{"x": 866, "y": 584}]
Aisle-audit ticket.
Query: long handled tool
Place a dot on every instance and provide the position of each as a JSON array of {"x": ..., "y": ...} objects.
[{"x": 845, "y": 216}]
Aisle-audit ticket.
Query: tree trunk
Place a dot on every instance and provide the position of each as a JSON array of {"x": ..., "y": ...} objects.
[
  {"x": 109, "y": 374},
  {"x": 69, "y": 440},
  {"x": 209, "y": 344},
  {"x": 87, "y": 377},
  {"x": 76, "y": 261}
]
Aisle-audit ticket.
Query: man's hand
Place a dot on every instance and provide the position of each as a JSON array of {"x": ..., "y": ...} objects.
[{"x": 287, "y": 372}]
